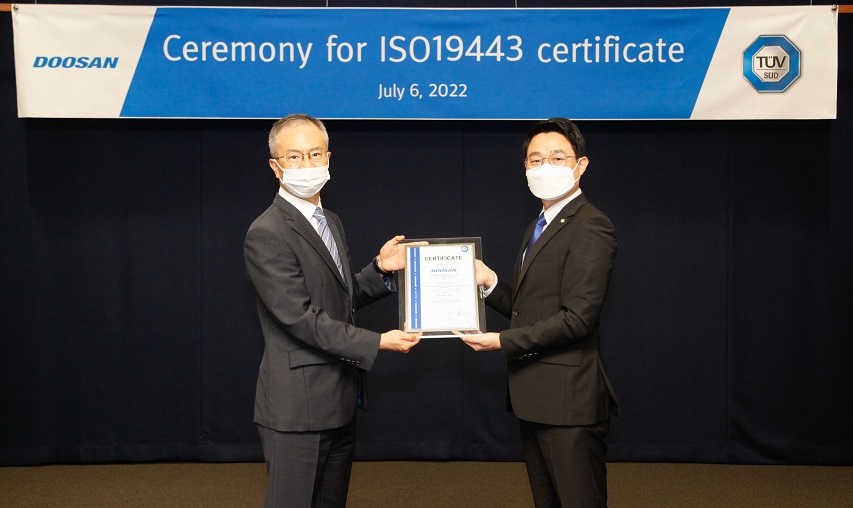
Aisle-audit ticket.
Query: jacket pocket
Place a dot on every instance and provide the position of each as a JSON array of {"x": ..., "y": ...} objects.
[
  {"x": 304, "y": 356},
  {"x": 570, "y": 357}
]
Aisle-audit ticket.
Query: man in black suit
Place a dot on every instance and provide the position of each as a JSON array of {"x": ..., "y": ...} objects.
[
  {"x": 558, "y": 385},
  {"x": 311, "y": 376}
]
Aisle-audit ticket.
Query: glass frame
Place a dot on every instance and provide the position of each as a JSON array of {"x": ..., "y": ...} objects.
[{"x": 454, "y": 282}]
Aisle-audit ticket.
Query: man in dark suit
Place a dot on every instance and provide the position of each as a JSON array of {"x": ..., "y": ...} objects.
[
  {"x": 311, "y": 376},
  {"x": 558, "y": 385}
]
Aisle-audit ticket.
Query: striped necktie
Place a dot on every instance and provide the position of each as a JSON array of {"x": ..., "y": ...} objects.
[{"x": 326, "y": 235}]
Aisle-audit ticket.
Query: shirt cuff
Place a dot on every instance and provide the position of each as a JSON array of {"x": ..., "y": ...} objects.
[{"x": 488, "y": 291}]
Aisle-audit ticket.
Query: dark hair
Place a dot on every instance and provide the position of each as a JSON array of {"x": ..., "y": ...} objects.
[{"x": 565, "y": 127}]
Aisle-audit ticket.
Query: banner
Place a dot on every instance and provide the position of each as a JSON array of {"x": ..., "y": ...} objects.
[{"x": 87, "y": 61}]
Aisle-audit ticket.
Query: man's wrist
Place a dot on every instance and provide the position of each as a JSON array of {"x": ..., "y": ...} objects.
[
  {"x": 378, "y": 269},
  {"x": 487, "y": 289}
]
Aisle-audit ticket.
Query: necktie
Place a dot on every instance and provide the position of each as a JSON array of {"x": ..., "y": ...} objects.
[
  {"x": 326, "y": 235},
  {"x": 537, "y": 231}
]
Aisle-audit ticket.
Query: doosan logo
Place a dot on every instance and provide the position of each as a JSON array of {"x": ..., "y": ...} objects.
[{"x": 76, "y": 62}]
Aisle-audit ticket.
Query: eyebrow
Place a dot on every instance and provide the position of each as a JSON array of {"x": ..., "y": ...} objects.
[
  {"x": 552, "y": 153},
  {"x": 292, "y": 150}
]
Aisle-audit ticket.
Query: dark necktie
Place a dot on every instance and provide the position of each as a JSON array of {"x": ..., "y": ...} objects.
[
  {"x": 537, "y": 231},
  {"x": 326, "y": 235}
]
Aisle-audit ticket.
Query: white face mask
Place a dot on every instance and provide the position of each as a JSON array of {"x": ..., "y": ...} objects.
[
  {"x": 304, "y": 182},
  {"x": 551, "y": 182}
]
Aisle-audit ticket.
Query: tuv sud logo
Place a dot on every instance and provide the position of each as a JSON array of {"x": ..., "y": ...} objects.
[{"x": 771, "y": 63}]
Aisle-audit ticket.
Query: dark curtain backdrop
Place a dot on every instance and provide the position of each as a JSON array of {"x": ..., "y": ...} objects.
[{"x": 129, "y": 331}]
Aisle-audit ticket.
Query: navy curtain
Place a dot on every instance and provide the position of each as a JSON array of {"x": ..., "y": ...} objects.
[{"x": 129, "y": 329}]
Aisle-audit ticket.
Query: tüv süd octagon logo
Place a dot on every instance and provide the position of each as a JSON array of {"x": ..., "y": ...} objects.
[{"x": 771, "y": 63}]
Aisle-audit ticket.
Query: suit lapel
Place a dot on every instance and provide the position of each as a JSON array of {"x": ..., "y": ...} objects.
[
  {"x": 561, "y": 220},
  {"x": 300, "y": 225},
  {"x": 339, "y": 240}
]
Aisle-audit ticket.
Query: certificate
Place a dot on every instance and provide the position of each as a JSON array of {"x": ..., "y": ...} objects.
[{"x": 439, "y": 295}]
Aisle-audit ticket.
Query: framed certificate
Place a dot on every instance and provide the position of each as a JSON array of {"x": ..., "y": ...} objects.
[{"x": 438, "y": 293}]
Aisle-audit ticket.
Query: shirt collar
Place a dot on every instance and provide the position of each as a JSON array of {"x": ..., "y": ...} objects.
[
  {"x": 555, "y": 209},
  {"x": 306, "y": 208}
]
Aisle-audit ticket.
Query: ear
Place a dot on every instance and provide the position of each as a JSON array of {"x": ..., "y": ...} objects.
[
  {"x": 582, "y": 164},
  {"x": 275, "y": 169}
]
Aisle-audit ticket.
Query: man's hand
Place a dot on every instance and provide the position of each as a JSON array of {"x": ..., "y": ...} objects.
[
  {"x": 485, "y": 276},
  {"x": 483, "y": 342},
  {"x": 392, "y": 255},
  {"x": 397, "y": 340}
]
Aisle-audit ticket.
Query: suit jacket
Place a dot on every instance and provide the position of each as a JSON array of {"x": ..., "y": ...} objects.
[
  {"x": 313, "y": 352},
  {"x": 555, "y": 372}
]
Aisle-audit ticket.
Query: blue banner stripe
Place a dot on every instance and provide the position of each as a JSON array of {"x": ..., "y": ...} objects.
[{"x": 424, "y": 63}]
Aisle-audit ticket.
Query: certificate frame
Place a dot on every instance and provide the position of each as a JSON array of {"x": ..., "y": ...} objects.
[{"x": 438, "y": 295}]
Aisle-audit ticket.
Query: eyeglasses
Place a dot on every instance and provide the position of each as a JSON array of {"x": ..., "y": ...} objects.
[
  {"x": 294, "y": 159},
  {"x": 558, "y": 159}
]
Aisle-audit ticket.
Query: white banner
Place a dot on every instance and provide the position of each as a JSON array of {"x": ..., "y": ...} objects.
[
  {"x": 807, "y": 91},
  {"x": 87, "y": 61}
]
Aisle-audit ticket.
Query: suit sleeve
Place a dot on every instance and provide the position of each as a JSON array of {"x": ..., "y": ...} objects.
[
  {"x": 582, "y": 290},
  {"x": 274, "y": 268},
  {"x": 369, "y": 285},
  {"x": 500, "y": 299}
]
